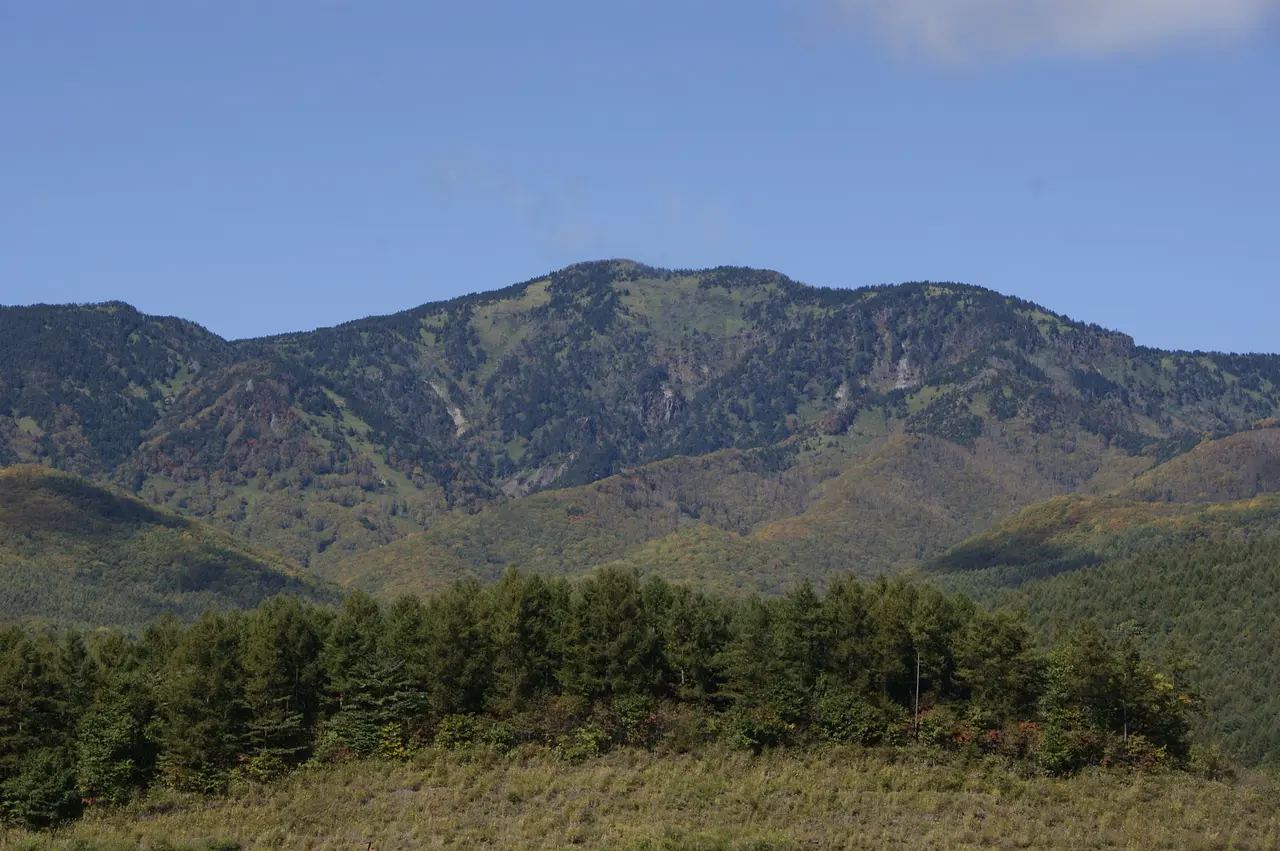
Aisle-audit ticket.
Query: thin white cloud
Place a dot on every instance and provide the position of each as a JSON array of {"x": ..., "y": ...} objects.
[{"x": 966, "y": 30}]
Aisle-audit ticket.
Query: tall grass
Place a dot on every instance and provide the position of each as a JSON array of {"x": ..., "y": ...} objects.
[{"x": 633, "y": 800}]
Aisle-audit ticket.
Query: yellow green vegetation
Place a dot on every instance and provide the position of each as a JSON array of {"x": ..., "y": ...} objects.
[
  {"x": 1234, "y": 467},
  {"x": 574, "y": 530},
  {"x": 79, "y": 554},
  {"x": 756, "y": 520},
  {"x": 1070, "y": 532},
  {"x": 840, "y": 798}
]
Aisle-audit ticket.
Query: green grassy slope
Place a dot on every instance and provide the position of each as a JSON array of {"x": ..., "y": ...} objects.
[
  {"x": 78, "y": 554},
  {"x": 1070, "y": 533},
  {"x": 573, "y": 530}
]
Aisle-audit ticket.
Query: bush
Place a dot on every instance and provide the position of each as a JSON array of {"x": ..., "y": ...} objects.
[
  {"x": 42, "y": 793},
  {"x": 757, "y": 728},
  {"x": 847, "y": 718},
  {"x": 347, "y": 736},
  {"x": 582, "y": 744},
  {"x": 940, "y": 726},
  {"x": 1021, "y": 741},
  {"x": 1141, "y": 754},
  {"x": 548, "y": 719},
  {"x": 1065, "y": 750},
  {"x": 263, "y": 767},
  {"x": 635, "y": 720},
  {"x": 456, "y": 731},
  {"x": 499, "y": 736},
  {"x": 391, "y": 743},
  {"x": 1209, "y": 762},
  {"x": 682, "y": 728}
]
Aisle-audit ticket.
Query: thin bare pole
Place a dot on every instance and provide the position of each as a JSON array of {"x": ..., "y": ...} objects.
[{"x": 917, "y": 730}]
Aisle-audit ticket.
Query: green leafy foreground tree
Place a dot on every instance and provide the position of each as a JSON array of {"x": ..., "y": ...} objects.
[{"x": 1103, "y": 701}]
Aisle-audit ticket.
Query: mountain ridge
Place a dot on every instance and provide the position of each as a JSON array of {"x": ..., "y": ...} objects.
[{"x": 962, "y": 404}]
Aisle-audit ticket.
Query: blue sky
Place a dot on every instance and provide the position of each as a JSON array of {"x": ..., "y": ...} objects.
[{"x": 271, "y": 165}]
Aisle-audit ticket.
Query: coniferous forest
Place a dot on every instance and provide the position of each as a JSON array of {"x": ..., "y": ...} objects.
[{"x": 93, "y": 720}]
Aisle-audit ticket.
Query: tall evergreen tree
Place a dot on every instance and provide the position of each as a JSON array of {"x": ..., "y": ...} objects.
[
  {"x": 203, "y": 704},
  {"x": 612, "y": 647},
  {"x": 284, "y": 681}
]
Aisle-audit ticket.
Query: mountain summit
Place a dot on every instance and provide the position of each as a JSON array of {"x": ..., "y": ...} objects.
[{"x": 614, "y": 411}]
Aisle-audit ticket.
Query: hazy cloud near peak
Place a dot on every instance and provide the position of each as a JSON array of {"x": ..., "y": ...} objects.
[{"x": 963, "y": 30}]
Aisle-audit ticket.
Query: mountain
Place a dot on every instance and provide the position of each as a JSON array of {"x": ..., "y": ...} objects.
[
  {"x": 74, "y": 553},
  {"x": 613, "y": 412},
  {"x": 1196, "y": 581}
]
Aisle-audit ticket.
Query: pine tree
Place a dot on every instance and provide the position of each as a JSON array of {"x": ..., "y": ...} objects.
[
  {"x": 284, "y": 681},
  {"x": 116, "y": 750},
  {"x": 459, "y": 651},
  {"x": 38, "y": 705},
  {"x": 525, "y": 618},
  {"x": 611, "y": 646},
  {"x": 203, "y": 705},
  {"x": 695, "y": 632}
]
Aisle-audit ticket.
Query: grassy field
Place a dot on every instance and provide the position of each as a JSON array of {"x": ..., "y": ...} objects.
[{"x": 840, "y": 799}]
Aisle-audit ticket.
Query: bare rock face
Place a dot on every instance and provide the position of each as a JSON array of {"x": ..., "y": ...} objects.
[
  {"x": 663, "y": 406},
  {"x": 839, "y": 418}
]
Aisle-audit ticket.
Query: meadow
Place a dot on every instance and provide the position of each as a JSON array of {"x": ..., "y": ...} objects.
[{"x": 833, "y": 798}]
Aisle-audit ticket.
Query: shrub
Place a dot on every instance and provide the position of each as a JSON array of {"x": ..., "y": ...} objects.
[
  {"x": 682, "y": 728},
  {"x": 1141, "y": 754},
  {"x": 635, "y": 720},
  {"x": 42, "y": 793},
  {"x": 939, "y": 726},
  {"x": 347, "y": 736},
  {"x": 757, "y": 728},
  {"x": 846, "y": 717},
  {"x": 1209, "y": 762},
  {"x": 1065, "y": 750},
  {"x": 499, "y": 736},
  {"x": 262, "y": 767},
  {"x": 582, "y": 744},
  {"x": 456, "y": 731}
]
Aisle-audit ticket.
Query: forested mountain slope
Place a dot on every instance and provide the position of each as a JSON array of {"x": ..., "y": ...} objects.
[
  {"x": 1236, "y": 466},
  {"x": 871, "y": 427},
  {"x": 1194, "y": 582},
  {"x": 73, "y": 553}
]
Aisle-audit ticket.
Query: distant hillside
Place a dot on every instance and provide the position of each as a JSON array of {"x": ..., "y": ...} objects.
[
  {"x": 1069, "y": 533},
  {"x": 1200, "y": 582},
  {"x": 1237, "y": 466},
  {"x": 756, "y": 520},
  {"x": 892, "y": 422},
  {"x": 73, "y": 553}
]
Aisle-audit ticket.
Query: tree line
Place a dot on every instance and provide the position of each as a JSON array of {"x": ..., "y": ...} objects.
[{"x": 95, "y": 719}]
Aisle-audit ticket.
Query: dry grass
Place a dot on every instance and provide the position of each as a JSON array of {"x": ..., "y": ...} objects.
[{"x": 838, "y": 799}]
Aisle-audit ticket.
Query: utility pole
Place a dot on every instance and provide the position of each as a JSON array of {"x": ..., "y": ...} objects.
[{"x": 917, "y": 725}]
